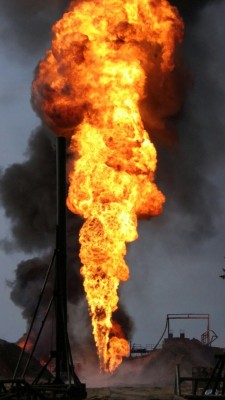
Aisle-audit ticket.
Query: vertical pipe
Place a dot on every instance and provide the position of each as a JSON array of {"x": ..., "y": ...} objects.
[
  {"x": 177, "y": 381},
  {"x": 208, "y": 330},
  {"x": 60, "y": 270},
  {"x": 61, "y": 216}
]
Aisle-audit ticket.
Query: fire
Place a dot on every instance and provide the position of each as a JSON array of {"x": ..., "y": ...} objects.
[
  {"x": 89, "y": 87},
  {"x": 21, "y": 343}
]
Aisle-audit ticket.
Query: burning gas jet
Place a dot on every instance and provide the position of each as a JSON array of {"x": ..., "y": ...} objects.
[{"x": 88, "y": 88}]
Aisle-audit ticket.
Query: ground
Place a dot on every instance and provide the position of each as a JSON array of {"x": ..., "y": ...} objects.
[
  {"x": 131, "y": 393},
  {"x": 150, "y": 377}
]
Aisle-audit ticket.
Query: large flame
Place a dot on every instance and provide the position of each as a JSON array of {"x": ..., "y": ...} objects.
[{"x": 89, "y": 87}]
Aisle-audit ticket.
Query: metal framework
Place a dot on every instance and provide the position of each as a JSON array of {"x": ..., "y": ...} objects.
[
  {"x": 204, "y": 387},
  {"x": 139, "y": 350},
  {"x": 63, "y": 383},
  {"x": 205, "y": 336}
]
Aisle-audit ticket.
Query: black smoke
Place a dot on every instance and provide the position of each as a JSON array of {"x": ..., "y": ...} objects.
[
  {"x": 190, "y": 9},
  {"x": 28, "y": 195},
  {"x": 29, "y": 23},
  {"x": 185, "y": 158}
]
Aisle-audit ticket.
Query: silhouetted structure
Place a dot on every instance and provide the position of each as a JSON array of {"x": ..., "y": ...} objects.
[{"x": 63, "y": 383}]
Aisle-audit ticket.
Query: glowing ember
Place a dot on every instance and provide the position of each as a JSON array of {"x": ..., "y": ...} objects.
[{"x": 89, "y": 87}]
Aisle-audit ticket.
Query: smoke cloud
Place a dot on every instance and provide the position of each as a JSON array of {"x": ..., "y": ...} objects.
[
  {"x": 30, "y": 23},
  {"x": 28, "y": 194},
  {"x": 189, "y": 9},
  {"x": 174, "y": 125},
  {"x": 193, "y": 161}
]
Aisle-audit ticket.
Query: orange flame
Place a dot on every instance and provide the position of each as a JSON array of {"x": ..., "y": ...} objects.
[
  {"x": 89, "y": 87},
  {"x": 21, "y": 343}
]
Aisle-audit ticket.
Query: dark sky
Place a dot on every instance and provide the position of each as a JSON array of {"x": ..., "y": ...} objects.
[{"x": 176, "y": 262}]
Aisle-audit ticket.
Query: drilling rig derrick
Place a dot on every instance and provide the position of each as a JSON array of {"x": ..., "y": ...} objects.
[{"x": 63, "y": 383}]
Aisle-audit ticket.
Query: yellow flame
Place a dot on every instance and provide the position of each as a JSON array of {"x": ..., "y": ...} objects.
[{"x": 89, "y": 87}]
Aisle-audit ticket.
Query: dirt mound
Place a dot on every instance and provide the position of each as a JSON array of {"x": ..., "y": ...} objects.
[
  {"x": 157, "y": 369},
  {"x": 187, "y": 353},
  {"x": 9, "y": 356}
]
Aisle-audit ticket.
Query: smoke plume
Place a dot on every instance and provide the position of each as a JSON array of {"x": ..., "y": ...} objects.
[
  {"x": 30, "y": 23},
  {"x": 28, "y": 192},
  {"x": 189, "y": 9}
]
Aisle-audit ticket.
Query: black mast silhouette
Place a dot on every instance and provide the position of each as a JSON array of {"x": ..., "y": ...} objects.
[{"x": 63, "y": 383}]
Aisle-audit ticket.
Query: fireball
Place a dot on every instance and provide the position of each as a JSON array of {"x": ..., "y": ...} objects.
[{"x": 89, "y": 87}]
